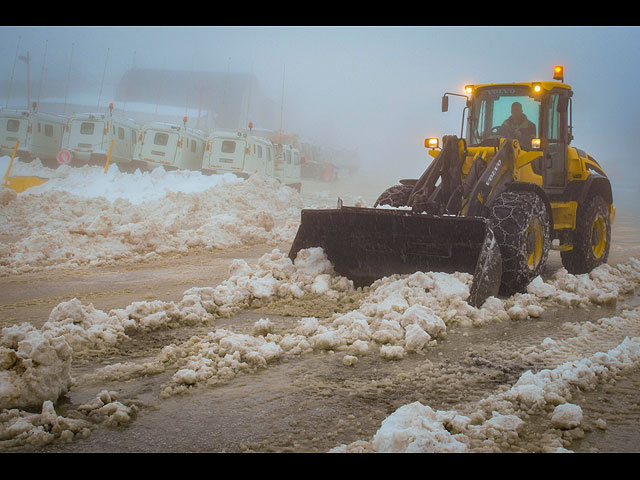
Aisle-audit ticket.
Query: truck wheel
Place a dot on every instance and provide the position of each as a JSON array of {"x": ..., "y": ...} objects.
[
  {"x": 522, "y": 227},
  {"x": 396, "y": 196},
  {"x": 591, "y": 239}
]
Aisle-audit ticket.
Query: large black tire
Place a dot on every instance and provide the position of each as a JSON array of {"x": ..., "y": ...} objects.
[
  {"x": 591, "y": 239},
  {"x": 396, "y": 196},
  {"x": 522, "y": 227}
]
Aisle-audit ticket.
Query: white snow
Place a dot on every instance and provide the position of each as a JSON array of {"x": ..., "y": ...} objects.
[{"x": 83, "y": 216}]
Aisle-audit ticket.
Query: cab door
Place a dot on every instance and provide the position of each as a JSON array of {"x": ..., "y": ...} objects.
[
  {"x": 228, "y": 154},
  {"x": 557, "y": 135},
  {"x": 13, "y": 130},
  {"x": 86, "y": 135}
]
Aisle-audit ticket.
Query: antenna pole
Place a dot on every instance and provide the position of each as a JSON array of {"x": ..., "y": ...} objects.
[
  {"x": 68, "y": 80},
  {"x": 102, "y": 83},
  {"x": 127, "y": 89},
  {"x": 282, "y": 99},
  {"x": 12, "y": 71},
  {"x": 27, "y": 59},
  {"x": 44, "y": 62}
]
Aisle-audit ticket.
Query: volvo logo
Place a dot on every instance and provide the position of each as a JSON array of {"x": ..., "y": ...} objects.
[{"x": 493, "y": 172}]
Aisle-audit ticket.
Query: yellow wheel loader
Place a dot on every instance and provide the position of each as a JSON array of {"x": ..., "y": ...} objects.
[{"x": 492, "y": 202}]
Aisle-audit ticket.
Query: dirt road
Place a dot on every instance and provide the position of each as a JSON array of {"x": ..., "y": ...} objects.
[{"x": 311, "y": 403}]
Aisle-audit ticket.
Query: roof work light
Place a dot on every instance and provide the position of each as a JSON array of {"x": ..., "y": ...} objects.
[{"x": 431, "y": 143}]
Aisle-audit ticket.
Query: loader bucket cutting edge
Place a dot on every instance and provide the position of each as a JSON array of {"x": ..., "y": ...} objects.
[{"x": 366, "y": 244}]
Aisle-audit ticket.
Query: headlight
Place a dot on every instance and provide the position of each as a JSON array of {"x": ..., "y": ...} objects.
[{"x": 432, "y": 143}]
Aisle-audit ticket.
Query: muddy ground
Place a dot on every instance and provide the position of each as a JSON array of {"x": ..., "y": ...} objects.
[{"x": 310, "y": 403}]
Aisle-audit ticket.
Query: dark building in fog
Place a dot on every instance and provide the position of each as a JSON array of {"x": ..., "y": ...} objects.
[{"x": 217, "y": 100}]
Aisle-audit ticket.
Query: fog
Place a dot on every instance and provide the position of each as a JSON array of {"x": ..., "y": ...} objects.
[{"x": 377, "y": 89}]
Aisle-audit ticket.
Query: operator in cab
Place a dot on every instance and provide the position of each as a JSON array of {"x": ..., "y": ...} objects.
[{"x": 519, "y": 125}]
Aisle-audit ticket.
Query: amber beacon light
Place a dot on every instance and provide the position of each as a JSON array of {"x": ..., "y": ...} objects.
[{"x": 558, "y": 73}]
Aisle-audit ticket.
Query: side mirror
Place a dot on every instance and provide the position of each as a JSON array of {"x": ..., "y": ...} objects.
[{"x": 445, "y": 103}]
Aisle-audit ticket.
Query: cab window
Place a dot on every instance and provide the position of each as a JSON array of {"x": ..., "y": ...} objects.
[
  {"x": 552, "y": 118},
  {"x": 161, "y": 139},
  {"x": 228, "y": 146},
  {"x": 13, "y": 125},
  {"x": 87, "y": 128},
  {"x": 493, "y": 107}
]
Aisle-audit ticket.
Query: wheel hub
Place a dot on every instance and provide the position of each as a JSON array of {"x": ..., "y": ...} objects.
[
  {"x": 598, "y": 236},
  {"x": 534, "y": 243}
]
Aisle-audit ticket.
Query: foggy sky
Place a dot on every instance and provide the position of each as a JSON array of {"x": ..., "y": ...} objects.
[{"x": 374, "y": 88}]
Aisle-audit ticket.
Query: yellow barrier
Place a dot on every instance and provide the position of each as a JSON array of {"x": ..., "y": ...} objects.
[
  {"x": 15, "y": 149},
  {"x": 106, "y": 165}
]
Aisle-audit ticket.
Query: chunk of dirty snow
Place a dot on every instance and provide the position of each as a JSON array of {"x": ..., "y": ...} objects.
[
  {"x": 415, "y": 428},
  {"x": 566, "y": 416},
  {"x": 392, "y": 352},
  {"x": 539, "y": 288},
  {"x": 37, "y": 367},
  {"x": 518, "y": 313},
  {"x": 416, "y": 339},
  {"x": 425, "y": 318},
  {"x": 349, "y": 360}
]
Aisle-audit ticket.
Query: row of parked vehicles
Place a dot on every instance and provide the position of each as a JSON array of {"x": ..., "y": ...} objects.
[{"x": 91, "y": 138}]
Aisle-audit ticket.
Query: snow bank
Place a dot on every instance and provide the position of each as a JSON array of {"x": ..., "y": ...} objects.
[
  {"x": 91, "y": 181},
  {"x": 83, "y": 217},
  {"x": 393, "y": 318},
  {"x": 500, "y": 419},
  {"x": 397, "y": 316}
]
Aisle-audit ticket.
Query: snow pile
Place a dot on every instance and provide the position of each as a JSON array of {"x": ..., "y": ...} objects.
[
  {"x": 92, "y": 182},
  {"x": 275, "y": 275},
  {"x": 499, "y": 420},
  {"x": 416, "y": 428},
  {"x": 603, "y": 285},
  {"x": 108, "y": 410},
  {"x": 19, "y": 428},
  {"x": 397, "y": 316},
  {"x": 419, "y": 428},
  {"x": 84, "y": 217},
  {"x": 393, "y": 319},
  {"x": 34, "y": 366}
]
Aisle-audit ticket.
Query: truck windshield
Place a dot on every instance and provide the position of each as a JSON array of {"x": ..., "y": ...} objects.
[{"x": 506, "y": 111}]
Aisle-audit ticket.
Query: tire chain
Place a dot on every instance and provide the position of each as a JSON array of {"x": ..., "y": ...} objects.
[
  {"x": 395, "y": 196},
  {"x": 509, "y": 217},
  {"x": 580, "y": 259}
]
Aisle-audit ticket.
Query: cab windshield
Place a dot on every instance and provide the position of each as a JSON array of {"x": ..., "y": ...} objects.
[{"x": 503, "y": 111}]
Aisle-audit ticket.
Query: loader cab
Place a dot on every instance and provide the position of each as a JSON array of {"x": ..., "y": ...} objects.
[{"x": 543, "y": 130}]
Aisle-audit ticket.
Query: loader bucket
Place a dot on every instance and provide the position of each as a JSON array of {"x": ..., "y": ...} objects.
[{"x": 365, "y": 244}]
